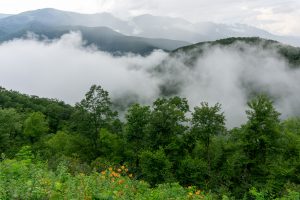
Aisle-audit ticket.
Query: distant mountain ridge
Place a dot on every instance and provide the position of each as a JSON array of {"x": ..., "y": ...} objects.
[
  {"x": 53, "y": 17},
  {"x": 180, "y": 29},
  {"x": 95, "y": 28},
  {"x": 103, "y": 37},
  {"x": 172, "y": 32},
  {"x": 4, "y": 15}
]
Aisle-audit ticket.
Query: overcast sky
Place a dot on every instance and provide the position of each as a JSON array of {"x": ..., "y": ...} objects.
[{"x": 276, "y": 16}]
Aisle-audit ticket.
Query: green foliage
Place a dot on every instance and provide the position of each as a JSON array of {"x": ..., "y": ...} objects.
[
  {"x": 57, "y": 112},
  {"x": 97, "y": 106},
  {"x": 10, "y": 127},
  {"x": 155, "y": 167},
  {"x": 135, "y": 132},
  {"x": 67, "y": 144},
  {"x": 167, "y": 121},
  {"x": 63, "y": 152},
  {"x": 262, "y": 130},
  {"x": 35, "y": 126},
  {"x": 290, "y": 53},
  {"x": 292, "y": 125},
  {"x": 193, "y": 171},
  {"x": 25, "y": 154},
  {"x": 93, "y": 113},
  {"x": 111, "y": 146},
  {"x": 138, "y": 117},
  {"x": 21, "y": 180},
  {"x": 207, "y": 122}
]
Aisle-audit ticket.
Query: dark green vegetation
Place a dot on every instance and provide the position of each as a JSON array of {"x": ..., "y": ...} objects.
[
  {"x": 290, "y": 53},
  {"x": 50, "y": 150}
]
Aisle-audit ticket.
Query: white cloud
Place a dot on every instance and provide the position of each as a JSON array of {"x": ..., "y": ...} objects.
[
  {"x": 65, "y": 70},
  {"x": 279, "y": 20}
]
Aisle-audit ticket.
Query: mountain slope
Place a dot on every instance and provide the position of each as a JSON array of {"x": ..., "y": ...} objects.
[
  {"x": 4, "y": 15},
  {"x": 141, "y": 26},
  {"x": 290, "y": 53},
  {"x": 53, "y": 17},
  {"x": 104, "y": 38},
  {"x": 228, "y": 57}
]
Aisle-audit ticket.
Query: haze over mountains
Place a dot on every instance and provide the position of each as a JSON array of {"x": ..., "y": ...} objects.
[
  {"x": 227, "y": 71},
  {"x": 4, "y": 15},
  {"x": 96, "y": 29},
  {"x": 126, "y": 35}
]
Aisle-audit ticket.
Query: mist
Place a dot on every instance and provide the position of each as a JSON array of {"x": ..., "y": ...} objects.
[
  {"x": 231, "y": 76},
  {"x": 65, "y": 69}
]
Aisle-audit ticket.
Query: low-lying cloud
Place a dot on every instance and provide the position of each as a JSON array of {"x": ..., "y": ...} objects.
[
  {"x": 64, "y": 69},
  {"x": 230, "y": 76}
]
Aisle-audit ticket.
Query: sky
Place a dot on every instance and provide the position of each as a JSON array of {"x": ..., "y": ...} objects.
[{"x": 276, "y": 16}]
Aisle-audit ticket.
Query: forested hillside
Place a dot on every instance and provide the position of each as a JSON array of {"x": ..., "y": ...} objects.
[
  {"x": 290, "y": 53},
  {"x": 168, "y": 150}
]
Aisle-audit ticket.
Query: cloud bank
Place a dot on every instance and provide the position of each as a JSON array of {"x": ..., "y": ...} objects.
[
  {"x": 64, "y": 69},
  {"x": 231, "y": 77}
]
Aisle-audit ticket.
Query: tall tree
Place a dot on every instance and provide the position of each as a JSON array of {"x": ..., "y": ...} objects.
[
  {"x": 138, "y": 118},
  {"x": 95, "y": 113},
  {"x": 206, "y": 122},
  {"x": 262, "y": 128},
  {"x": 167, "y": 120},
  {"x": 260, "y": 137}
]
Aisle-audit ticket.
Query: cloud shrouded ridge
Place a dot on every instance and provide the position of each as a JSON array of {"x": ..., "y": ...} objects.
[{"x": 64, "y": 69}]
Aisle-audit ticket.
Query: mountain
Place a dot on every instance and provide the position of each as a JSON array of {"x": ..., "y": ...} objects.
[
  {"x": 102, "y": 29},
  {"x": 55, "y": 17},
  {"x": 237, "y": 60},
  {"x": 104, "y": 38},
  {"x": 290, "y": 53},
  {"x": 4, "y": 15},
  {"x": 165, "y": 27},
  {"x": 180, "y": 29},
  {"x": 142, "y": 26}
]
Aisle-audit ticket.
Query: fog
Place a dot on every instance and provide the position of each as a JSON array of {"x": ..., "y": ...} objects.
[
  {"x": 231, "y": 77},
  {"x": 65, "y": 69}
]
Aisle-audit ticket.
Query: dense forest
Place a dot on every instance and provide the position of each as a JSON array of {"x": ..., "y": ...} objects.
[
  {"x": 52, "y": 150},
  {"x": 287, "y": 52}
]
